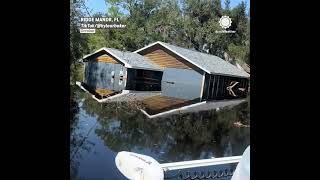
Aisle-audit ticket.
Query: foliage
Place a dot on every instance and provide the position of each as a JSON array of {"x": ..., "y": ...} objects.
[
  {"x": 78, "y": 41},
  {"x": 191, "y": 24}
]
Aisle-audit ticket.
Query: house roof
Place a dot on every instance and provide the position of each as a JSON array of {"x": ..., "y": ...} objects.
[
  {"x": 129, "y": 59},
  {"x": 209, "y": 63}
]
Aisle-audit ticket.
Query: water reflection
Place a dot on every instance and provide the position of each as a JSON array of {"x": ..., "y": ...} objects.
[
  {"x": 90, "y": 158},
  {"x": 172, "y": 138},
  {"x": 100, "y": 130},
  {"x": 105, "y": 129}
]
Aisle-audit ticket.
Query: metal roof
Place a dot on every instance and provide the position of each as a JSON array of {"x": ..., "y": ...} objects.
[
  {"x": 129, "y": 59},
  {"x": 207, "y": 62}
]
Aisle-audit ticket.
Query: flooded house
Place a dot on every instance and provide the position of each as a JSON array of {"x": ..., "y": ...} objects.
[
  {"x": 180, "y": 98},
  {"x": 165, "y": 78},
  {"x": 212, "y": 77},
  {"x": 109, "y": 71}
]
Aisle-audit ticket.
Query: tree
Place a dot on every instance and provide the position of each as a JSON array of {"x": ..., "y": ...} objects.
[
  {"x": 78, "y": 41},
  {"x": 227, "y": 5},
  {"x": 237, "y": 52},
  {"x": 191, "y": 24},
  {"x": 217, "y": 9}
]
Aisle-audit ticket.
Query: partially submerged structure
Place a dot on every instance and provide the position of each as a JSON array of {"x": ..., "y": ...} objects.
[
  {"x": 108, "y": 71},
  {"x": 214, "y": 77},
  {"x": 179, "y": 98},
  {"x": 166, "y": 79}
]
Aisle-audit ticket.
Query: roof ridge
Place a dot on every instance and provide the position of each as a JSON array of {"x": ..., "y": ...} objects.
[{"x": 191, "y": 50}]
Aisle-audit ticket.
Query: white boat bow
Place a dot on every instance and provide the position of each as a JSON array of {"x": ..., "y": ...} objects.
[{"x": 141, "y": 167}]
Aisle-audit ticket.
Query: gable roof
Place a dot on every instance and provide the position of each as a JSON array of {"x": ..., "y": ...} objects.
[
  {"x": 129, "y": 59},
  {"x": 207, "y": 62}
]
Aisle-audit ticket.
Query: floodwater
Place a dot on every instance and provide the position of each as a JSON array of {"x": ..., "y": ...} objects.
[{"x": 99, "y": 131}]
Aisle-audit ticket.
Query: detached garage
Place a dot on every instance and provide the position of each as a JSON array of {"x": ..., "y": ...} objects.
[
  {"x": 116, "y": 70},
  {"x": 214, "y": 78}
]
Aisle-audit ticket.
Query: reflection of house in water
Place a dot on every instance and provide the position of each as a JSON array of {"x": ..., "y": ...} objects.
[
  {"x": 109, "y": 71},
  {"x": 214, "y": 77}
]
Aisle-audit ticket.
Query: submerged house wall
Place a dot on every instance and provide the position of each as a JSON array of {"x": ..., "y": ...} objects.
[
  {"x": 106, "y": 72},
  {"x": 167, "y": 68},
  {"x": 185, "y": 77},
  {"x": 210, "y": 86},
  {"x": 181, "y": 83},
  {"x": 104, "y": 75},
  {"x": 143, "y": 80},
  {"x": 220, "y": 87}
]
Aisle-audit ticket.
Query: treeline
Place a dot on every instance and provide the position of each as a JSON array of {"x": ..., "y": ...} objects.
[{"x": 190, "y": 23}]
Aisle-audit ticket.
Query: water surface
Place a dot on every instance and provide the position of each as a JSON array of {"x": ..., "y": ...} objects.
[{"x": 99, "y": 131}]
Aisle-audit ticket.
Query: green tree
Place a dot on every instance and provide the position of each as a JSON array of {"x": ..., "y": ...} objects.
[
  {"x": 227, "y": 5},
  {"x": 191, "y": 24},
  {"x": 237, "y": 52},
  {"x": 78, "y": 41}
]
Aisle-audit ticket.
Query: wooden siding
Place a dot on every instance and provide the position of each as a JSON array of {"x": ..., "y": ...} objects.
[
  {"x": 107, "y": 59},
  {"x": 164, "y": 60}
]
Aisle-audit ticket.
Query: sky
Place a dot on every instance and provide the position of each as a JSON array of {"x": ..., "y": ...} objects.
[{"x": 96, "y": 6}]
